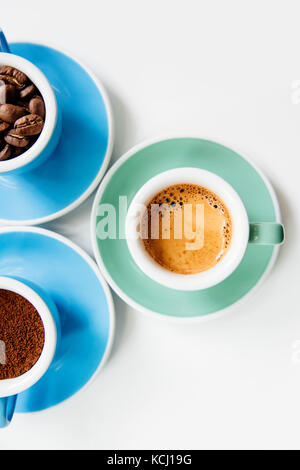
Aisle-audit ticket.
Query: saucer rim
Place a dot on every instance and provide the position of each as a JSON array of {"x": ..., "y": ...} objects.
[
  {"x": 135, "y": 305},
  {"x": 106, "y": 289},
  {"x": 110, "y": 143}
]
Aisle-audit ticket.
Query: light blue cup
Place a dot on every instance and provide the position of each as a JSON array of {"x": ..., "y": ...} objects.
[
  {"x": 9, "y": 388},
  {"x": 49, "y": 137}
]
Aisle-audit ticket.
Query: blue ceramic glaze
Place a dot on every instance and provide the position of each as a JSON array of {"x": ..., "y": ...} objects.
[
  {"x": 43, "y": 259},
  {"x": 7, "y": 409},
  {"x": 4, "y": 47},
  {"x": 76, "y": 165}
]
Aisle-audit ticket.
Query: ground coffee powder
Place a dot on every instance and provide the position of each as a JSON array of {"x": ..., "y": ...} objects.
[{"x": 21, "y": 332}]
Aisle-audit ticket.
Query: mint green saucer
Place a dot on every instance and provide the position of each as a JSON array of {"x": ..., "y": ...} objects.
[{"x": 137, "y": 166}]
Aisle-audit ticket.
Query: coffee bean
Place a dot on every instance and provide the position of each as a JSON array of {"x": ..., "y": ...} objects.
[
  {"x": 10, "y": 112},
  {"x": 37, "y": 106},
  {"x": 8, "y": 93},
  {"x": 3, "y": 126},
  {"x": 22, "y": 113},
  {"x": 5, "y": 153},
  {"x": 27, "y": 92},
  {"x": 16, "y": 140},
  {"x": 13, "y": 76},
  {"x": 24, "y": 104},
  {"x": 19, "y": 150},
  {"x": 31, "y": 124}
]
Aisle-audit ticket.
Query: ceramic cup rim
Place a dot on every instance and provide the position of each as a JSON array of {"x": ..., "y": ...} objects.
[
  {"x": 9, "y": 387},
  {"x": 240, "y": 235},
  {"x": 41, "y": 82}
]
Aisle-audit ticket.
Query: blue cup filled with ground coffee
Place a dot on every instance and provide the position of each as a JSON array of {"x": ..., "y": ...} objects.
[{"x": 29, "y": 331}]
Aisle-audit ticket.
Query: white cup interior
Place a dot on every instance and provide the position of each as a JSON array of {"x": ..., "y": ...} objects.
[
  {"x": 16, "y": 385},
  {"x": 44, "y": 87},
  {"x": 239, "y": 239}
]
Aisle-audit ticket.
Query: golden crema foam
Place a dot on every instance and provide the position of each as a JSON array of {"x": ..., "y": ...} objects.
[{"x": 187, "y": 229}]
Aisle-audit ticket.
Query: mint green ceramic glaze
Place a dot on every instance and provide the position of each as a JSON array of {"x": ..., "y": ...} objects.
[
  {"x": 266, "y": 234},
  {"x": 184, "y": 152}
]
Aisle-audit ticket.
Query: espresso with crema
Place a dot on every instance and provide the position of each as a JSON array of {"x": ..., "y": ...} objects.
[{"x": 187, "y": 229}]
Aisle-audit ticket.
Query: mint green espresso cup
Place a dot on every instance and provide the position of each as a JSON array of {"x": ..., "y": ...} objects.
[
  {"x": 266, "y": 233},
  {"x": 159, "y": 155},
  {"x": 243, "y": 231}
]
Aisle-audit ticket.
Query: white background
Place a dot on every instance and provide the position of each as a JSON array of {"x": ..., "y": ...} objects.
[{"x": 223, "y": 70}]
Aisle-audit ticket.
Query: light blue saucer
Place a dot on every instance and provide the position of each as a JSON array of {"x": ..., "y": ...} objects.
[
  {"x": 77, "y": 165},
  {"x": 85, "y": 307}
]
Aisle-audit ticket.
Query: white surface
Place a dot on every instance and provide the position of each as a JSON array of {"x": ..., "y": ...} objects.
[{"x": 228, "y": 70}]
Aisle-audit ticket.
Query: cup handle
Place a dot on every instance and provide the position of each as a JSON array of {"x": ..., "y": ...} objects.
[
  {"x": 266, "y": 233},
  {"x": 7, "y": 409},
  {"x": 4, "y": 47}
]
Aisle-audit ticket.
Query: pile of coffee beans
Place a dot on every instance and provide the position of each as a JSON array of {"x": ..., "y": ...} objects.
[{"x": 22, "y": 113}]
